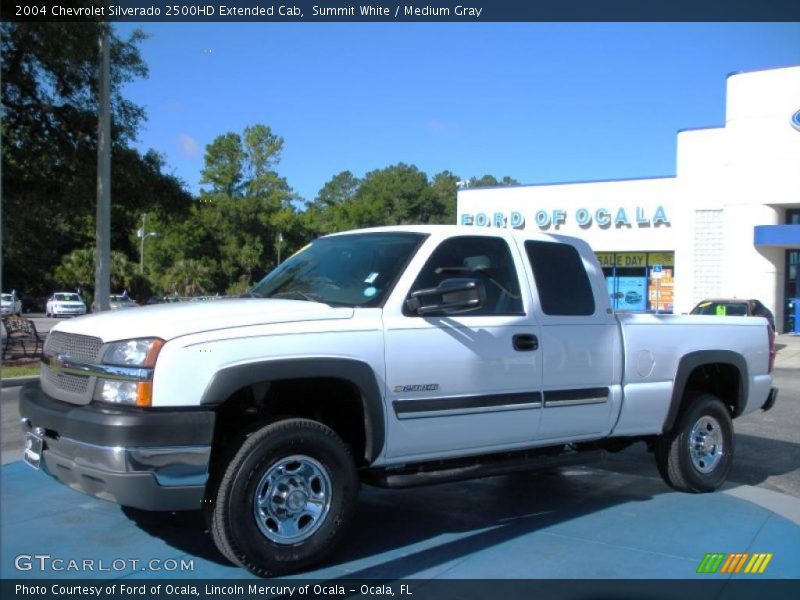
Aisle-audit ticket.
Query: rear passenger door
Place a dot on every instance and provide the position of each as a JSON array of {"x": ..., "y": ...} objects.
[
  {"x": 462, "y": 383},
  {"x": 580, "y": 343}
]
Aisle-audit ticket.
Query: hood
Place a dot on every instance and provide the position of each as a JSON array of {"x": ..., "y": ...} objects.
[{"x": 168, "y": 321}]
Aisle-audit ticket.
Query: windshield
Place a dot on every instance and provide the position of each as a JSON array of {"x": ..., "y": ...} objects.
[
  {"x": 6, "y": 297},
  {"x": 725, "y": 309},
  {"x": 343, "y": 270},
  {"x": 68, "y": 298}
]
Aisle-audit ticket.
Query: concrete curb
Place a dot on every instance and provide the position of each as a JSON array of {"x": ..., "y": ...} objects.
[{"x": 18, "y": 381}]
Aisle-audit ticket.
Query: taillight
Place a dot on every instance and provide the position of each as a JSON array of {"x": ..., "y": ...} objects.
[{"x": 772, "y": 349}]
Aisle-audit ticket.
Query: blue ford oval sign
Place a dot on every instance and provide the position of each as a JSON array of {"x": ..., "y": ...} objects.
[{"x": 796, "y": 120}]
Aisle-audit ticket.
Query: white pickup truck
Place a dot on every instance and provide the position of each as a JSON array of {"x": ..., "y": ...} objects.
[{"x": 396, "y": 356}]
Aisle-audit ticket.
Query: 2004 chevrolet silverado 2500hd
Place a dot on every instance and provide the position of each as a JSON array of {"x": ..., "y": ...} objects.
[{"x": 395, "y": 356}]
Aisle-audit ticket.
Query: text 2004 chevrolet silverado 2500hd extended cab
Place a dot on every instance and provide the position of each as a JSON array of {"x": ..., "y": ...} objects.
[{"x": 396, "y": 356}]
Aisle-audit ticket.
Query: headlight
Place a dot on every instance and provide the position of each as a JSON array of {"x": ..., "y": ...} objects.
[
  {"x": 118, "y": 392},
  {"x": 130, "y": 378},
  {"x": 134, "y": 353}
]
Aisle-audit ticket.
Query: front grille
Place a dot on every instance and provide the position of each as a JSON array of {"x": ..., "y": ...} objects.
[
  {"x": 73, "y": 384},
  {"x": 80, "y": 348},
  {"x": 76, "y": 347}
]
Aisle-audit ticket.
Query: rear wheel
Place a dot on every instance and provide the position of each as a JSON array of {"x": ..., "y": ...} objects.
[
  {"x": 697, "y": 455},
  {"x": 285, "y": 498}
]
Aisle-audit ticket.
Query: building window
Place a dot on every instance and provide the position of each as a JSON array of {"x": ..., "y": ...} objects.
[{"x": 639, "y": 281}]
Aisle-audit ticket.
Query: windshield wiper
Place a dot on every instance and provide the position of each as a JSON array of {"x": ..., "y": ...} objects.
[{"x": 298, "y": 295}]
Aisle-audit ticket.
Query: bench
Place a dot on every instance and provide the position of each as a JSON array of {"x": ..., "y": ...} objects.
[{"x": 21, "y": 332}]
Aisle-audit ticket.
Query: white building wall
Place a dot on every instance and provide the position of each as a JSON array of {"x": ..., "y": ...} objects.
[{"x": 763, "y": 178}]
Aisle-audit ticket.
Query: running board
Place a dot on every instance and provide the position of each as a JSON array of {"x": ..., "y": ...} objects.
[{"x": 446, "y": 471}]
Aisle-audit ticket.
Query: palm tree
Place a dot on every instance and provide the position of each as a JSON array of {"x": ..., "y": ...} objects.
[
  {"x": 77, "y": 269},
  {"x": 188, "y": 277}
]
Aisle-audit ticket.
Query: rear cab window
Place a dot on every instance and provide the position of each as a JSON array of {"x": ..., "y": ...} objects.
[{"x": 561, "y": 279}]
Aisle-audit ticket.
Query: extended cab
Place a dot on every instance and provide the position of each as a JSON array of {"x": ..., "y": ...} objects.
[{"x": 395, "y": 356}]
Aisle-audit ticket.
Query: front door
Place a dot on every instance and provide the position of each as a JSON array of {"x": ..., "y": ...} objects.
[{"x": 469, "y": 382}]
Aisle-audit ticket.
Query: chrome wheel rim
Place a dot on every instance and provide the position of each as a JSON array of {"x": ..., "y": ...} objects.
[
  {"x": 706, "y": 445},
  {"x": 292, "y": 499}
]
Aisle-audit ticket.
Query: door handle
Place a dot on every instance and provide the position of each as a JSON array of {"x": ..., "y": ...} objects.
[{"x": 525, "y": 342}]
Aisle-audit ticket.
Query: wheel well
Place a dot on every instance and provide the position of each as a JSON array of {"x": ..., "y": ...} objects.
[
  {"x": 335, "y": 402},
  {"x": 723, "y": 380}
]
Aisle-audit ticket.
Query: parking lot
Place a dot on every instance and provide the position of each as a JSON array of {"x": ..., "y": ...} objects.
[{"x": 613, "y": 519}]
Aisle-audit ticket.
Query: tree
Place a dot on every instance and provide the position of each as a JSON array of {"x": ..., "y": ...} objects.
[
  {"x": 122, "y": 271},
  {"x": 395, "y": 195},
  {"x": 443, "y": 197},
  {"x": 76, "y": 269},
  {"x": 224, "y": 166},
  {"x": 262, "y": 149},
  {"x": 49, "y": 128},
  {"x": 491, "y": 181},
  {"x": 188, "y": 277},
  {"x": 340, "y": 189}
]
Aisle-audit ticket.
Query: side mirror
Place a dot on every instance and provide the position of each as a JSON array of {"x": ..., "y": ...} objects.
[{"x": 451, "y": 296}]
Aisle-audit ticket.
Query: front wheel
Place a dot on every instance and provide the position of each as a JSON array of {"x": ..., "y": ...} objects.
[
  {"x": 697, "y": 455},
  {"x": 285, "y": 498}
]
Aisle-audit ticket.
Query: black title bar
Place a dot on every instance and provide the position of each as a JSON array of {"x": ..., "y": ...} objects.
[
  {"x": 399, "y": 589},
  {"x": 467, "y": 11}
]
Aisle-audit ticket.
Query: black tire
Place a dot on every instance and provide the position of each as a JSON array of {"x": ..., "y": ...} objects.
[
  {"x": 697, "y": 455},
  {"x": 295, "y": 467}
]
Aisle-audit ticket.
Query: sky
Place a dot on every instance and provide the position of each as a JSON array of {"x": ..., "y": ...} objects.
[{"x": 539, "y": 102}]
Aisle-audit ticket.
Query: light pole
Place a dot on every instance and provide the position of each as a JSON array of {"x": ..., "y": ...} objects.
[{"x": 142, "y": 235}]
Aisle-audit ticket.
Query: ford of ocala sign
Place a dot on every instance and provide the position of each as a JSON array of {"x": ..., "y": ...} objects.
[{"x": 583, "y": 217}]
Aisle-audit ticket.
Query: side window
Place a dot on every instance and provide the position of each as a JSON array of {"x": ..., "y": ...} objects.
[
  {"x": 562, "y": 282},
  {"x": 484, "y": 258}
]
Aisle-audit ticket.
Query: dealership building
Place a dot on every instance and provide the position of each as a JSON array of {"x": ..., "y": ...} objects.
[{"x": 726, "y": 225}]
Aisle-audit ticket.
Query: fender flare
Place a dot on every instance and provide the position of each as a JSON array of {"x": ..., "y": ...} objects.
[
  {"x": 228, "y": 380},
  {"x": 689, "y": 363}
]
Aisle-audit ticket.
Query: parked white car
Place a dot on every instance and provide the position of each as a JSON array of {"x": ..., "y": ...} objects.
[
  {"x": 63, "y": 304},
  {"x": 10, "y": 304}
]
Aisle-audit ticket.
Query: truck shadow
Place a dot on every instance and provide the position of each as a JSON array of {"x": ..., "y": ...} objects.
[
  {"x": 424, "y": 529},
  {"x": 479, "y": 514},
  {"x": 757, "y": 460},
  {"x": 402, "y": 533}
]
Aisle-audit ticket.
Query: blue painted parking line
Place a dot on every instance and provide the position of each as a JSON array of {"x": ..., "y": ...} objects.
[{"x": 579, "y": 523}]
